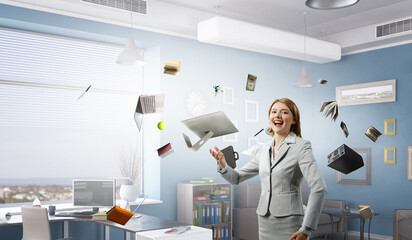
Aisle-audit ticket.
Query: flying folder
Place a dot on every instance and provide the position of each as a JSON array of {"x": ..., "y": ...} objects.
[{"x": 208, "y": 126}]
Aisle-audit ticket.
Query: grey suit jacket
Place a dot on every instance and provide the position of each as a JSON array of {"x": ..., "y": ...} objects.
[{"x": 280, "y": 180}]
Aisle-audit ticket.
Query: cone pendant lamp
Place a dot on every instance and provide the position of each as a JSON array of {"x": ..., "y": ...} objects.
[
  {"x": 304, "y": 80},
  {"x": 130, "y": 55}
]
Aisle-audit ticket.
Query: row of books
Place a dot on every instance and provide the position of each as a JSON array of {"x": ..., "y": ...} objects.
[
  {"x": 221, "y": 232},
  {"x": 210, "y": 197},
  {"x": 212, "y": 213},
  {"x": 202, "y": 181}
]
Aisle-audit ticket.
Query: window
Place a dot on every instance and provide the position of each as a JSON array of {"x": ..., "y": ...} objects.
[{"x": 50, "y": 133}]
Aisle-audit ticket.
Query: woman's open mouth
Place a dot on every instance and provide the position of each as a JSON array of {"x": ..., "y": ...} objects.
[{"x": 278, "y": 123}]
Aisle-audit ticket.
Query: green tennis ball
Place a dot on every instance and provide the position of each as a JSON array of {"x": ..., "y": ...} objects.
[{"x": 161, "y": 125}]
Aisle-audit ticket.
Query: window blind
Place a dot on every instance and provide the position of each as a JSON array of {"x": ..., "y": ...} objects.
[
  {"x": 42, "y": 78},
  {"x": 51, "y": 135}
]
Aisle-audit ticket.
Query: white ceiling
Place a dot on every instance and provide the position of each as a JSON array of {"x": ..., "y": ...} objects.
[
  {"x": 352, "y": 27},
  {"x": 287, "y": 14}
]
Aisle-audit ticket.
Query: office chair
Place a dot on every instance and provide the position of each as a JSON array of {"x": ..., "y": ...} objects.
[{"x": 35, "y": 223}]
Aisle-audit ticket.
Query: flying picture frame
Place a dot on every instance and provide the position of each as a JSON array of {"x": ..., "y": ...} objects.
[
  {"x": 365, "y": 93},
  {"x": 228, "y": 95},
  {"x": 251, "y": 111}
]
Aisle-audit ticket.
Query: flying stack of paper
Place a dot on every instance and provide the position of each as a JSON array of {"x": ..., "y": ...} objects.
[{"x": 172, "y": 67}]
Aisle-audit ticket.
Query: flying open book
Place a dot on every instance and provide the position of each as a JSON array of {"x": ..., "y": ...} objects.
[
  {"x": 330, "y": 108},
  {"x": 149, "y": 103}
]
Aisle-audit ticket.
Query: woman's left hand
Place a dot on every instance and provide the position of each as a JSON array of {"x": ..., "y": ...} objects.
[{"x": 298, "y": 236}]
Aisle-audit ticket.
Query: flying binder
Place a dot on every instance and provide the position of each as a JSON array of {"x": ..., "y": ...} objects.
[{"x": 119, "y": 215}]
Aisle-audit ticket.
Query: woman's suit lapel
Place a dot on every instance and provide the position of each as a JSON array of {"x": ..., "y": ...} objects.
[{"x": 280, "y": 155}]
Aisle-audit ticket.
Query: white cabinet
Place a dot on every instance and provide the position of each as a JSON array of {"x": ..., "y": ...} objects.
[{"x": 206, "y": 205}]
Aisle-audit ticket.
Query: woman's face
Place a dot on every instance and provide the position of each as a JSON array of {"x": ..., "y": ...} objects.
[{"x": 281, "y": 119}]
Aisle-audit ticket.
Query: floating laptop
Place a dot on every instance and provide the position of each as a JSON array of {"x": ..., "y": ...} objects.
[{"x": 208, "y": 126}]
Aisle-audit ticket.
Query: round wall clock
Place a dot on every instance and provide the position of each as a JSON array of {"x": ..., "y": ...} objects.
[{"x": 196, "y": 103}]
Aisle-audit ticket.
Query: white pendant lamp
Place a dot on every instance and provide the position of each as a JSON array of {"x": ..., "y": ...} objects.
[
  {"x": 130, "y": 55},
  {"x": 330, "y": 4},
  {"x": 304, "y": 80}
]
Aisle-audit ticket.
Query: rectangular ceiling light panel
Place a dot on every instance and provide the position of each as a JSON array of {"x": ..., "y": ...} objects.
[{"x": 252, "y": 37}]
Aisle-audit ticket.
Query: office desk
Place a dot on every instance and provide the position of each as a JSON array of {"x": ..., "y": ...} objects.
[
  {"x": 341, "y": 213},
  {"x": 134, "y": 225},
  {"x": 195, "y": 233}
]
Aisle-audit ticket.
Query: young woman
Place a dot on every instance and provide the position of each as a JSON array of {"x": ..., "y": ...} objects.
[{"x": 281, "y": 165}]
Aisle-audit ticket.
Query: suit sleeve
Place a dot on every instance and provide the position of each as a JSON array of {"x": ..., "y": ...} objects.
[
  {"x": 316, "y": 182},
  {"x": 249, "y": 170}
]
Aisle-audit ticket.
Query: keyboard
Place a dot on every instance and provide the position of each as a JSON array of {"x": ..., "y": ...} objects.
[{"x": 81, "y": 214}]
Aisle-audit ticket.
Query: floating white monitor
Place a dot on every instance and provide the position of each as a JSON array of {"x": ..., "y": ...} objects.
[
  {"x": 208, "y": 126},
  {"x": 94, "y": 193}
]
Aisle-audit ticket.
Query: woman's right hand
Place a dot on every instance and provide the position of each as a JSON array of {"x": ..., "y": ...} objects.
[{"x": 218, "y": 155}]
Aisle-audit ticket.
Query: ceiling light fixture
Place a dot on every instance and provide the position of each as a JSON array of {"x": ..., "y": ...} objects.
[
  {"x": 130, "y": 55},
  {"x": 330, "y": 4},
  {"x": 304, "y": 80},
  {"x": 252, "y": 37}
]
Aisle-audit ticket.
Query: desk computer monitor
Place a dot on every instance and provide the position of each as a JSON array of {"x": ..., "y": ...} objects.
[{"x": 94, "y": 193}]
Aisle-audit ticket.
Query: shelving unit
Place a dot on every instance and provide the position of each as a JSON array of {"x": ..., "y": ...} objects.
[{"x": 206, "y": 205}]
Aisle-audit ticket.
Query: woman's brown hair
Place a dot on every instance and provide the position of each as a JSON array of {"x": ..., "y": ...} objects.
[{"x": 295, "y": 113}]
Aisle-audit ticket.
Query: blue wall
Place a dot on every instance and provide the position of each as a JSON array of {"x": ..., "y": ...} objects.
[{"x": 205, "y": 65}]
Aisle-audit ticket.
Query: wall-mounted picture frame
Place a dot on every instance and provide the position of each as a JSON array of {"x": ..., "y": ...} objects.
[
  {"x": 389, "y": 155},
  {"x": 361, "y": 176},
  {"x": 251, "y": 111},
  {"x": 231, "y": 137},
  {"x": 365, "y": 93},
  {"x": 389, "y": 128},
  {"x": 228, "y": 95},
  {"x": 410, "y": 163}
]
